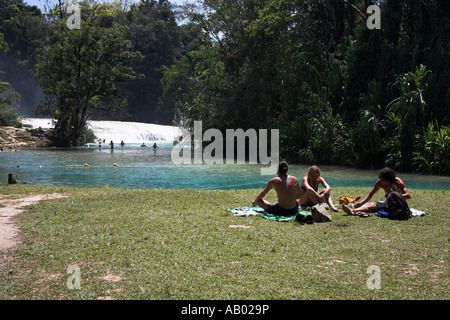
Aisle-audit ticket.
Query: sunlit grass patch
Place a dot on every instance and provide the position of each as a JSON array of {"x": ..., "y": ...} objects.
[{"x": 179, "y": 244}]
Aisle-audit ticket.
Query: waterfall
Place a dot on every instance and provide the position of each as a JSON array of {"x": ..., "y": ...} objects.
[
  {"x": 133, "y": 132},
  {"x": 44, "y": 123},
  {"x": 129, "y": 132}
]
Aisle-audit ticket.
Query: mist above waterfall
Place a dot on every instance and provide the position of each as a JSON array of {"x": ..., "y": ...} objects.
[
  {"x": 116, "y": 131},
  {"x": 23, "y": 82}
]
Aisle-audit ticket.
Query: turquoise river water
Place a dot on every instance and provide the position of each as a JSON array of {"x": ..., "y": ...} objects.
[{"x": 133, "y": 166}]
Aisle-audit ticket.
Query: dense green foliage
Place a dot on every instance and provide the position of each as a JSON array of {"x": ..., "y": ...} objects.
[
  {"x": 35, "y": 39},
  {"x": 339, "y": 92},
  {"x": 8, "y": 105},
  {"x": 24, "y": 29},
  {"x": 79, "y": 71},
  {"x": 8, "y": 96}
]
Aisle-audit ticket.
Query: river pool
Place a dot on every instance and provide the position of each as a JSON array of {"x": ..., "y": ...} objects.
[{"x": 133, "y": 166}]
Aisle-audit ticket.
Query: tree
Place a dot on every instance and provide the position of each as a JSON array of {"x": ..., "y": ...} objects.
[
  {"x": 79, "y": 71},
  {"x": 9, "y": 100},
  {"x": 24, "y": 28},
  {"x": 153, "y": 32},
  {"x": 8, "y": 96}
]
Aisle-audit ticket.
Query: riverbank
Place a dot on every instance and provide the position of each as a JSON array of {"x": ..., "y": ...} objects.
[
  {"x": 184, "y": 244},
  {"x": 24, "y": 137}
]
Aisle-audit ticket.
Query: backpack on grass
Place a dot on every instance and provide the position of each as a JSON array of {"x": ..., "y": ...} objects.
[{"x": 397, "y": 207}]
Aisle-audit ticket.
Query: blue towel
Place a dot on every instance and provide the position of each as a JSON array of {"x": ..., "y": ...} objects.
[{"x": 382, "y": 214}]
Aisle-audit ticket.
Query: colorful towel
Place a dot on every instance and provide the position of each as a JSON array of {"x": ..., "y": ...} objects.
[
  {"x": 246, "y": 211},
  {"x": 275, "y": 217},
  {"x": 258, "y": 211},
  {"x": 347, "y": 199}
]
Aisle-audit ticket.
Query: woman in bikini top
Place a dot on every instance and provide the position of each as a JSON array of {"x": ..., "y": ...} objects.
[{"x": 312, "y": 180}]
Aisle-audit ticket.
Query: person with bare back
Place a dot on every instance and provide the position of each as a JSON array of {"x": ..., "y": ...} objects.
[
  {"x": 309, "y": 195},
  {"x": 287, "y": 189},
  {"x": 388, "y": 181}
]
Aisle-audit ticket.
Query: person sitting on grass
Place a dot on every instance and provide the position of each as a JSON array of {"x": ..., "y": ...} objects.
[
  {"x": 286, "y": 187},
  {"x": 309, "y": 195},
  {"x": 389, "y": 182}
]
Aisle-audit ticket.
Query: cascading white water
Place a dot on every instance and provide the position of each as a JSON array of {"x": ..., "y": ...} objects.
[
  {"x": 116, "y": 131},
  {"x": 44, "y": 123},
  {"x": 133, "y": 132}
]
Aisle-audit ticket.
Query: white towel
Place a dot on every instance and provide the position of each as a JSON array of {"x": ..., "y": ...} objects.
[
  {"x": 244, "y": 212},
  {"x": 418, "y": 213}
]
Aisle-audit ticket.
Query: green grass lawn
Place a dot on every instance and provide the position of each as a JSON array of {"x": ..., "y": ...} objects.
[{"x": 178, "y": 244}]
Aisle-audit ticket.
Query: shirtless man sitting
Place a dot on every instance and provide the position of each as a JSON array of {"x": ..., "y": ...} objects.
[
  {"x": 387, "y": 181},
  {"x": 286, "y": 187}
]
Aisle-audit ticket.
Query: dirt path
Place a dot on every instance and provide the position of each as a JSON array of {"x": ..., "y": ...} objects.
[{"x": 8, "y": 209}]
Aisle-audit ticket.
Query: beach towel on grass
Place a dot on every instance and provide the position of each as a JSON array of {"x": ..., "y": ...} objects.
[
  {"x": 414, "y": 213},
  {"x": 258, "y": 211}
]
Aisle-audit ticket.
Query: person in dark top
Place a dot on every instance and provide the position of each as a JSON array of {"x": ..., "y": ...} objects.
[{"x": 388, "y": 181}]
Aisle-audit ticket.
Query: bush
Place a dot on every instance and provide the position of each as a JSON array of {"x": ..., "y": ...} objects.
[
  {"x": 9, "y": 99},
  {"x": 330, "y": 143},
  {"x": 432, "y": 153}
]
